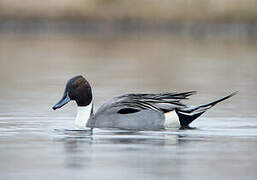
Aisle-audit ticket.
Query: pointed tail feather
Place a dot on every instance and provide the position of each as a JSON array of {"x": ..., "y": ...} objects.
[{"x": 186, "y": 116}]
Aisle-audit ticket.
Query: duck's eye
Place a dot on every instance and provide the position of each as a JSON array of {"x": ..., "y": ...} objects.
[
  {"x": 75, "y": 86},
  {"x": 127, "y": 111}
]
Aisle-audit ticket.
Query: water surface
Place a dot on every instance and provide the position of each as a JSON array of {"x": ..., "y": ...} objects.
[{"x": 35, "y": 143}]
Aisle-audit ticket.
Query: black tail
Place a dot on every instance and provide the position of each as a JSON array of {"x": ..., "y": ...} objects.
[{"x": 186, "y": 116}]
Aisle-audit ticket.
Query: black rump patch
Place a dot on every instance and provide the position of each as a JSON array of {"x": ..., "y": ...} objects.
[{"x": 127, "y": 111}]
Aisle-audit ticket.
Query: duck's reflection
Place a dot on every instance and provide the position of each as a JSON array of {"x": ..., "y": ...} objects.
[
  {"x": 77, "y": 150},
  {"x": 92, "y": 150},
  {"x": 134, "y": 138}
]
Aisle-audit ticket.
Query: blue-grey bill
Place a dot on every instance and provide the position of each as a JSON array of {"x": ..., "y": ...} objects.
[{"x": 65, "y": 99}]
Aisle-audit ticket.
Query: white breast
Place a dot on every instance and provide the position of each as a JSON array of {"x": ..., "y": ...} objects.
[
  {"x": 83, "y": 115},
  {"x": 171, "y": 120}
]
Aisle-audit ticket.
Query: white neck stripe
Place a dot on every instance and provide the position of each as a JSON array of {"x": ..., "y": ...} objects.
[{"x": 83, "y": 115}]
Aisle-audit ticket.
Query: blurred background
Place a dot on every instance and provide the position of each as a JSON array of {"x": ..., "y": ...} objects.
[
  {"x": 199, "y": 18},
  {"x": 145, "y": 45},
  {"x": 122, "y": 47}
]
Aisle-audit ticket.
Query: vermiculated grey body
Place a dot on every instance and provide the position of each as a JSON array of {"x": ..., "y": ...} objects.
[{"x": 107, "y": 117}]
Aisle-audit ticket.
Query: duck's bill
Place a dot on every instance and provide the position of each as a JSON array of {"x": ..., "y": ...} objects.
[{"x": 65, "y": 99}]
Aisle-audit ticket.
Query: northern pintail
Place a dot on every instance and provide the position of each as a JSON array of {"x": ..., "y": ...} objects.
[{"x": 132, "y": 111}]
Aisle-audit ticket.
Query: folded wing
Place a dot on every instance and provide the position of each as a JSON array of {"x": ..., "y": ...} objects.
[{"x": 164, "y": 102}]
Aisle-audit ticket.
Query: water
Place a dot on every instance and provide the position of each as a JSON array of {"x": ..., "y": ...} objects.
[{"x": 36, "y": 142}]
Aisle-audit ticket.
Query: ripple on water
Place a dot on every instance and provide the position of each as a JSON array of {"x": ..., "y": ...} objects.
[{"x": 51, "y": 126}]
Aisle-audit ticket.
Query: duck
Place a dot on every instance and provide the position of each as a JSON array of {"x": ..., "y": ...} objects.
[{"x": 134, "y": 111}]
